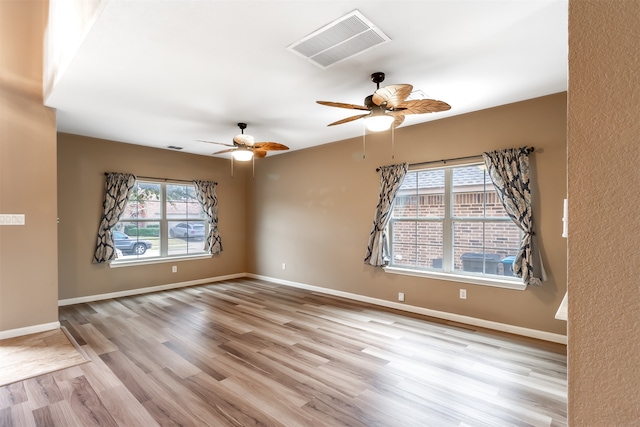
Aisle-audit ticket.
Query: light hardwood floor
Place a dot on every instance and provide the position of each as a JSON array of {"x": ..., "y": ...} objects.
[{"x": 253, "y": 353}]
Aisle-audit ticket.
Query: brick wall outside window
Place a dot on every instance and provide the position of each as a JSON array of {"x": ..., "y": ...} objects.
[{"x": 419, "y": 243}]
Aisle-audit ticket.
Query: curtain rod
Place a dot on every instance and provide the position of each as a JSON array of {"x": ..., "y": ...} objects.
[
  {"x": 479, "y": 156},
  {"x": 162, "y": 179}
]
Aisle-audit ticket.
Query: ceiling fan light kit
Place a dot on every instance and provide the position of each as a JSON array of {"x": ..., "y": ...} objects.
[
  {"x": 242, "y": 154},
  {"x": 378, "y": 121}
]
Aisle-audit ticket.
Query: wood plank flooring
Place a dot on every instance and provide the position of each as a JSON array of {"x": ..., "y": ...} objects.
[{"x": 253, "y": 353}]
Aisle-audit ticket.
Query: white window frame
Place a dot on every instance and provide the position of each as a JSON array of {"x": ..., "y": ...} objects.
[
  {"x": 164, "y": 256},
  {"x": 447, "y": 272}
]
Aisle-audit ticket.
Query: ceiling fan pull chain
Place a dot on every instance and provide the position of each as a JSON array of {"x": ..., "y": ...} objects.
[
  {"x": 393, "y": 141},
  {"x": 364, "y": 135}
]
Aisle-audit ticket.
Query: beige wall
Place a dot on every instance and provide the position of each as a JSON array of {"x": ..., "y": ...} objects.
[
  {"x": 82, "y": 163},
  {"x": 28, "y": 254},
  {"x": 313, "y": 210},
  {"x": 604, "y": 201}
]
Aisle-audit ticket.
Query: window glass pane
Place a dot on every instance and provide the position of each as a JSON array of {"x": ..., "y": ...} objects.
[
  {"x": 421, "y": 195},
  {"x": 430, "y": 247},
  {"x": 417, "y": 244},
  {"x": 431, "y": 205},
  {"x": 474, "y": 261},
  {"x": 468, "y": 234},
  {"x": 404, "y": 255},
  {"x": 410, "y": 183},
  {"x": 494, "y": 242},
  {"x": 493, "y": 205},
  {"x": 405, "y": 206},
  {"x": 404, "y": 244},
  {"x": 469, "y": 191},
  {"x": 137, "y": 239},
  {"x": 144, "y": 202},
  {"x": 186, "y": 237},
  {"x": 182, "y": 202},
  {"x": 503, "y": 237},
  {"x": 431, "y": 193}
]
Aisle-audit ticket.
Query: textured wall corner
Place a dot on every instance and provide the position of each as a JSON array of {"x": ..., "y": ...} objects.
[{"x": 603, "y": 178}]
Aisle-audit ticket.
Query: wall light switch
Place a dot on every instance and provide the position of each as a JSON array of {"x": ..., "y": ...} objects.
[{"x": 11, "y": 219}]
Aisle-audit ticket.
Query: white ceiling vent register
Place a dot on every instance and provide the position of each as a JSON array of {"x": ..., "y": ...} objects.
[{"x": 341, "y": 39}]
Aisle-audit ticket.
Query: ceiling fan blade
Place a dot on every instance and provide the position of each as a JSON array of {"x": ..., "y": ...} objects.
[
  {"x": 226, "y": 151},
  {"x": 343, "y": 105},
  {"x": 348, "y": 119},
  {"x": 421, "y": 106},
  {"x": 213, "y": 142},
  {"x": 270, "y": 146},
  {"x": 393, "y": 95},
  {"x": 243, "y": 139},
  {"x": 258, "y": 154},
  {"x": 398, "y": 118}
]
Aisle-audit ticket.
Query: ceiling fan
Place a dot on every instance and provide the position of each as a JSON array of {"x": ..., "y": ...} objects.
[
  {"x": 388, "y": 106},
  {"x": 244, "y": 148}
]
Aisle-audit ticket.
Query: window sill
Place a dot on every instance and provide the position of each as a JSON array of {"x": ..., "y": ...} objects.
[
  {"x": 127, "y": 263},
  {"x": 461, "y": 278}
]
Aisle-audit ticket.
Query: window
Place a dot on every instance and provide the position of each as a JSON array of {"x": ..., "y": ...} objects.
[
  {"x": 449, "y": 220},
  {"x": 161, "y": 220}
]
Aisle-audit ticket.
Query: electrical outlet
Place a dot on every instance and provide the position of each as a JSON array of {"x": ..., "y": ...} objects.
[
  {"x": 463, "y": 294},
  {"x": 401, "y": 296},
  {"x": 284, "y": 266},
  {"x": 174, "y": 269}
]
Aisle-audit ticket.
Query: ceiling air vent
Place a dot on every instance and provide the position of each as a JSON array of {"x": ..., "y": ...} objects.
[
  {"x": 341, "y": 39},
  {"x": 174, "y": 147}
]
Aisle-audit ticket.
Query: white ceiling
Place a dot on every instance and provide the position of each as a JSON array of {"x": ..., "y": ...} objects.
[{"x": 160, "y": 73}]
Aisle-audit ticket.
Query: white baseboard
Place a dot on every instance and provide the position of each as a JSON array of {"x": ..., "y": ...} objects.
[
  {"x": 503, "y": 327},
  {"x": 12, "y": 333},
  {"x": 140, "y": 291}
]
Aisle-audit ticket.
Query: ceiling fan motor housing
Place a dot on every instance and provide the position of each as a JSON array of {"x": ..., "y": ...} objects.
[{"x": 368, "y": 102}]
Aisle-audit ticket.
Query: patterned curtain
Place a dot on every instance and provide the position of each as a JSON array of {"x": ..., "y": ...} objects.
[
  {"x": 509, "y": 171},
  {"x": 206, "y": 193},
  {"x": 117, "y": 188},
  {"x": 391, "y": 178}
]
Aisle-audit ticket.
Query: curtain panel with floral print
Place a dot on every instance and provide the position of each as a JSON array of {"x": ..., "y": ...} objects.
[
  {"x": 116, "y": 195},
  {"x": 391, "y": 178},
  {"x": 509, "y": 172},
  {"x": 206, "y": 194}
]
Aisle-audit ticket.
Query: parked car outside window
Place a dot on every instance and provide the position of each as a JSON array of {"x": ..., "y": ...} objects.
[
  {"x": 130, "y": 246},
  {"x": 187, "y": 230}
]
